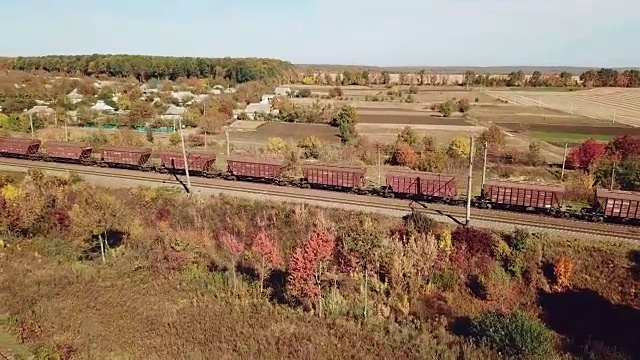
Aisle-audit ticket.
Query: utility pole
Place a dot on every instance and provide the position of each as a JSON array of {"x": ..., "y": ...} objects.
[
  {"x": 31, "y": 124},
  {"x": 226, "y": 134},
  {"x": 613, "y": 176},
  {"x": 184, "y": 157},
  {"x": 564, "y": 162},
  {"x": 468, "y": 218},
  {"x": 615, "y": 113},
  {"x": 484, "y": 165},
  {"x": 379, "y": 166}
]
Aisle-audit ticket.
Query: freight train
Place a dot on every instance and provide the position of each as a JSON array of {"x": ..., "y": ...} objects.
[{"x": 608, "y": 205}]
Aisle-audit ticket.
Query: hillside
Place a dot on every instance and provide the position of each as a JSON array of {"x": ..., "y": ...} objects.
[{"x": 154, "y": 274}]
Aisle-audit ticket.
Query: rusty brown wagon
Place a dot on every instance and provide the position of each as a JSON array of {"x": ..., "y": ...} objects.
[
  {"x": 199, "y": 163},
  {"x": 421, "y": 185},
  {"x": 70, "y": 151},
  {"x": 265, "y": 170},
  {"x": 618, "y": 205},
  {"x": 128, "y": 157},
  {"x": 524, "y": 196},
  {"x": 16, "y": 147},
  {"x": 333, "y": 176}
]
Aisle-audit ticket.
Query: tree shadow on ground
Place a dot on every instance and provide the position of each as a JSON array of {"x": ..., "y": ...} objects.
[
  {"x": 583, "y": 316},
  {"x": 114, "y": 240}
]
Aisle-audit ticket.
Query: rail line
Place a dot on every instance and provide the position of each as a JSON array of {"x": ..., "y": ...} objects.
[{"x": 501, "y": 217}]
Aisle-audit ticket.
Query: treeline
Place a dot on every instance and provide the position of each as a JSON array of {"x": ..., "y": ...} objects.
[{"x": 235, "y": 70}]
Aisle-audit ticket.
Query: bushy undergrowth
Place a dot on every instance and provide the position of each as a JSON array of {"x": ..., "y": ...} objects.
[{"x": 154, "y": 273}]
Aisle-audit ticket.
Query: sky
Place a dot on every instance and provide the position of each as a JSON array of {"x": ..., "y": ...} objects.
[{"x": 589, "y": 33}]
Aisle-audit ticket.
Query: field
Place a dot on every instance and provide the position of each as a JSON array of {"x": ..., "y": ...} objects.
[{"x": 611, "y": 104}]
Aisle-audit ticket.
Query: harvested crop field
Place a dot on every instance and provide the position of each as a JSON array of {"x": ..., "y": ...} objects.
[
  {"x": 621, "y": 104},
  {"x": 287, "y": 131},
  {"x": 570, "y": 129},
  {"x": 532, "y": 115},
  {"x": 411, "y": 120},
  {"x": 571, "y": 139},
  {"x": 442, "y": 134}
]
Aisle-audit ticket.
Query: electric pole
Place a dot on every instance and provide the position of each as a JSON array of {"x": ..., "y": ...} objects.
[
  {"x": 31, "y": 124},
  {"x": 184, "y": 157},
  {"x": 226, "y": 134},
  {"x": 564, "y": 162},
  {"x": 66, "y": 132},
  {"x": 379, "y": 167},
  {"x": 468, "y": 218},
  {"x": 613, "y": 176},
  {"x": 484, "y": 165}
]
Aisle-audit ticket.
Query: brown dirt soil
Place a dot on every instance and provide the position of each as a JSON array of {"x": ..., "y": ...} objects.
[
  {"x": 287, "y": 131},
  {"x": 411, "y": 120},
  {"x": 592, "y": 130}
]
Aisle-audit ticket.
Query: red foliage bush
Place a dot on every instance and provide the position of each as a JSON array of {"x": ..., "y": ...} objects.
[
  {"x": 625, "y": 146},
  {"x": 308, "y": 263},
  {"x": 163, "y": 214},
  {"x": 476, "y": 241},
  {"x": 267, "y": 254},
  {"x": 586, "y": 154}
]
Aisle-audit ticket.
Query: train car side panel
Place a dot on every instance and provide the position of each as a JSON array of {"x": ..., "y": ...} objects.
[
  {"x": 15, "y": 146},
  {"x": 197, "y": 162},
  {"x": 256, "y": 169},
  {"x": 619, "y": 204},
  {"x": 333, "y": 176},
  {"x": 66, "y": 150},
  {"x": 524, "y": 195},
  {"x": 126, "y": 156},
  {"x": 422, "y": 184}
]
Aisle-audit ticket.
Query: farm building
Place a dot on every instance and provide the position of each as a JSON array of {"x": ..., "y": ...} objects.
[
  {"x": 282, "y": 91},
  {"x": 173, "y": 113},
  {"x": 100, "y": 106},
  {"x": 74, "y": 96},
  {"x": 254, "y": 108},
  {"x": 41, "y": 110}
]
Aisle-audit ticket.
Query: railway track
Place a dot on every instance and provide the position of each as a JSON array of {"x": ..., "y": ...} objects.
[{"x": 495, "y": 216}]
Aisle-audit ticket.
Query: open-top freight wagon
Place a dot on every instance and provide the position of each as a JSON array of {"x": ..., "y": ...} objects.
[
  {"x": 126, "y": 157},
  {"x": 422, "y": 186},
  {"x": 68, "y": 152},
  {"x": 332, "y": 177},
  {"x": 523, "y": 196},
  {"x": 198, "y": 163},
  {"x": 20, "y": 148},
  {"x": 615, "y": 206},
  {"x": 260, "y": 170}
]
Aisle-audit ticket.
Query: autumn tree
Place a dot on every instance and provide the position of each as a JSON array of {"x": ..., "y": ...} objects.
[
  {"x": 409, "y": 137},
  {"x": 233, "y": 249},
  {"x": 624, "y": 146},
  {"x": 459, "y": 147},
  {"x": 141, "y": 112},
  {"x": 493, "y": 137},
  {"x": 432, "y": 161},
  {"x": 446, "y": 108},
  {"x": 266, "y": 255},
  {"x": 404, "y": 155},
  {"x": 335, "y": 92},
  {"x": 212, "y": 123},
  {"x": 347, "y": 133},
  {"x": 584, "y": 156},
  {"x": 346, "y": 114},
  {"x": 308, "y": 265},
  {"x": 428, "y": 143},
  {"x": 463, "y": 105},
  {"x": 534, "y": 157}
]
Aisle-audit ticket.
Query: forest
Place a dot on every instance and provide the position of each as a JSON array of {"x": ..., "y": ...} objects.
[{"x": 235, "y": 70}]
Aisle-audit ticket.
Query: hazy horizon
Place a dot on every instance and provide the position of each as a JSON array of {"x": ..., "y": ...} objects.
[{"x": 409, "y": 33}]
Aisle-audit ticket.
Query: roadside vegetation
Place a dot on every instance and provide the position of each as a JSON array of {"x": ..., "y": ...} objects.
[{"x": 152, "y": 273}]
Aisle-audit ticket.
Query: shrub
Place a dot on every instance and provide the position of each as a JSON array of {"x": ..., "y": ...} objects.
[
  {"x": 419, "y": 223},
  {"x": 195, "y": 140},
  {"x": 304, "y": 93},
  {"x": 477, "y": 241},
  {"x": 404, "y": 155},
  {"x": 408, "y": 136},
  {"x": 562, "y": 269},
  {"x": 477, "y": 99},
  {"x": 335, "y": 92},
  {"x": 515, "y": 334},
  {"x": 445, "y": 280},
  {"x": 310, "y": 146},
  {"x": 463, "y": 105},
  {"x": 174, "y": 138},
  {"x": 446, "y": 108},
  {"x": 277, "y": 145},
  {"x": 459, "y": 147}
]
